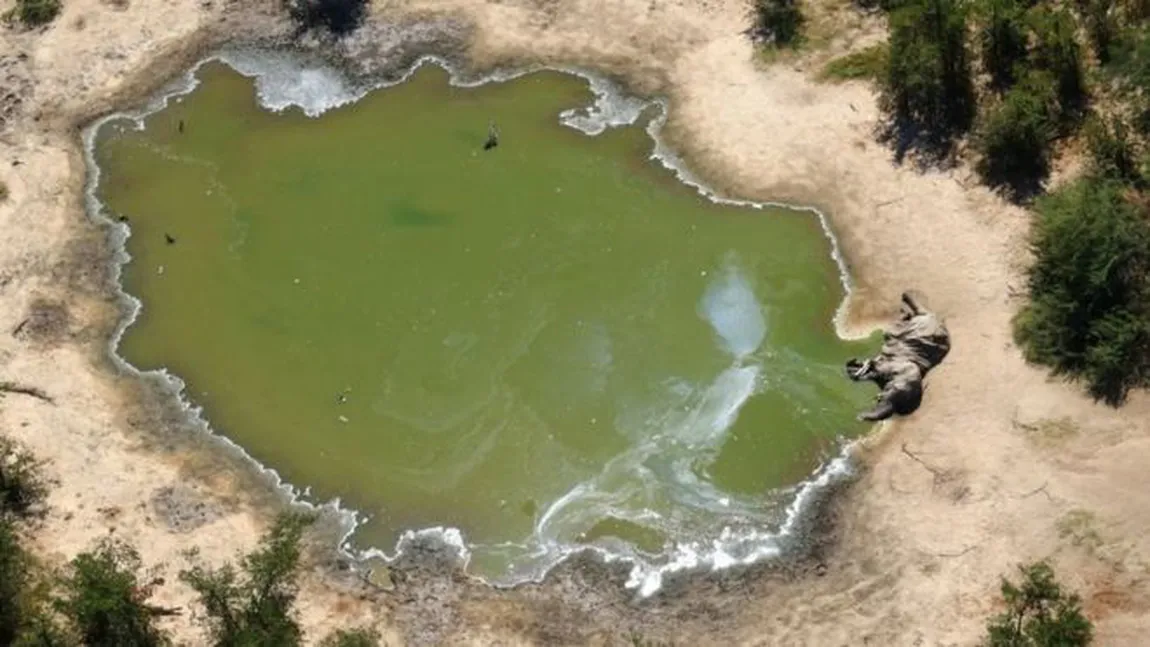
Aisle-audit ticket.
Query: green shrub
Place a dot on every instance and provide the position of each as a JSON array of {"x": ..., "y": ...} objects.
[
  {"x": 13, "y": 581},
  {"x": 41, "y": 630},
  {"x": 1089, "y": 310},
  {"x": 1038, "y": 613},
  {"x": 1112, "y": 153},
  {"x": 1057, "y": 51},
  {"x": 1002, "y": 38},
  {"x": 778, "y": 22},
  {"x": 867, "y": 63},
  {"x": 105, "y": 601},
  {"x": 927, "y": 86},
  {"x": 1128, "y": 69},
  {"x": 1013, "y": 141},
  {"x": 339, "y": 17},
  {"x": 352, "y": 638},
  {"x": 1101, "y": 26},
  {"x": 22, "y": 484},
  {"x": 33, "y": 13},
  {"x": 253, "y": 607}
]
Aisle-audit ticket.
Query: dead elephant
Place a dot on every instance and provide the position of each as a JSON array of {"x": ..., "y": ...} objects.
[{"x": 916, "y": 343}]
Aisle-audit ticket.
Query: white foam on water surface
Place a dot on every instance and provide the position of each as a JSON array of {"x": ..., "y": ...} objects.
[
  {"x": 731, "y": 308},
  {"x": 284, "y": 80},
  {"x": 675, "y": 440}
]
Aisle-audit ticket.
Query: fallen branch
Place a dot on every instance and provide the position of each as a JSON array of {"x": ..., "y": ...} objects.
[
  {"x": 1041, "y": 488},
  {"x": 951, "y": 555},
  {"x": 889, "y": 202},
  {"x": 31, "y": 391},
  {"x": 938, "y": 474}
]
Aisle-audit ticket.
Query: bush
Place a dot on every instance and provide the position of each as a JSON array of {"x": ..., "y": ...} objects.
[
  {"x": 33, "y": 13},
  {"x": 1101, "y": 27},
  {"x": 1089, "y": 310},
  {"x": 1112, "y": 152},
  {"x": 1002, "y": 39},
  {"x": 104, "y": 600},
  {"x": 1057, "y": 52},
  {"x": 868, "y": 63},
  {"x": 777, "y": 21},
  {"x": 1129, "y": 68},
  {"x": 1039, "y": 614},
  {"x": 13, "y": 581},
  {"x": 22, "y": 485},
  {"x": 353, "y": 638},
  {"x": 1014, "y": 141},
  {"x": 927, "y": 85},
  {"x": 339, "y": 17},
  {"x": 255, "y": 609}
]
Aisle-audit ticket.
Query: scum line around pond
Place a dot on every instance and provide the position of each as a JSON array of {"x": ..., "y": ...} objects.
[{"x": 285, "y": 79}]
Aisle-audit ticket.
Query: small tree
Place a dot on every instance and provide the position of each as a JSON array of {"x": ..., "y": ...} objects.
[
  {"x": 13, "y": 581},
  {"x": 1057, "y": 52},
  {"x": 1101, "y": 27},
  {"x": 1038, "y": 613},
  {"x": 105, "y": 601},
  {"x": 352, "y": 638},
  {"x": 1014, "y": 141},
  {"x": 928, "y": 86},
  {"x": 255, "y": 608},
  {"x": 1112, "y": 153},
  {"x": 778, "y": 22},
  {"x": 22, "y": 484},
  {"x": 33, "y": 13},
  {"x": 1002, "y": 38}
]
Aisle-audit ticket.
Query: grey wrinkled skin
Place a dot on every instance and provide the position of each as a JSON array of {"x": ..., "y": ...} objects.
[{"x": 916, "y": 343}]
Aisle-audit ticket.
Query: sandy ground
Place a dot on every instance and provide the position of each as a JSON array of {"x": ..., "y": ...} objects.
[{"x": 1001, "y": 464}]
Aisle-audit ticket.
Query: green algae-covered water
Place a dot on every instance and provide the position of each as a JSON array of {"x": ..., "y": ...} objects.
[{"x": 546, "y": 345}]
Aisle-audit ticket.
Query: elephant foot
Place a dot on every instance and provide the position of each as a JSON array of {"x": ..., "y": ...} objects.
[{"x": 858, "y": 370}]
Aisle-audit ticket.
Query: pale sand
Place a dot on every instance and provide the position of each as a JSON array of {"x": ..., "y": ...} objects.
[{"x": 1010, "y": 467}]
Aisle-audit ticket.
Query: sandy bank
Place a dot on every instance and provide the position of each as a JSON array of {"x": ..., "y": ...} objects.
[{"x": 1001, "y": 465}]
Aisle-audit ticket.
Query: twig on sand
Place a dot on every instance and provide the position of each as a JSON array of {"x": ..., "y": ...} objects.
[
  {"x": 958, "y": 554},
  {"x": 31, "y": 391},
  {"x": 1041, "y": 488},
  {"x": 938, "y": 474},
  {"x": 887, "y": 203},
  {"x": 20, "y": 327}
]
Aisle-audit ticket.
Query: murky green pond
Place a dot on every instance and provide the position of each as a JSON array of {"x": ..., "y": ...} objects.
[{"x": 543, "y": 345}]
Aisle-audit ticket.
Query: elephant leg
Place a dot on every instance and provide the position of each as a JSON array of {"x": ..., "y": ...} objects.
[
  {"x": 883, "y": 409},
  {"x": 911, "y": 304}
]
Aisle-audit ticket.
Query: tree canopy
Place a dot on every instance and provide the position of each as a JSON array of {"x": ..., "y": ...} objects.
[
  {"x": 1038, "y": 613},
  {"x": 928, "y": 87},
  {"x": 1089, "y": 310}
]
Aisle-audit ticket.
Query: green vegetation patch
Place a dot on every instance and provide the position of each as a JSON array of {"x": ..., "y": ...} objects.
[
  {"x": 927, "y": 91},
  {"x": 1089, "y": 314},
  {"x": 1039, "y": 613},
  {"x": 869, "y": 63},
  {"x": 779, "y": 22},
  {"x": 34, "y": 13}
]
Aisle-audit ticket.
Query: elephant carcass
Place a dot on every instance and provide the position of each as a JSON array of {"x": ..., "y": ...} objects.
[{"x": 916, "y": 343}]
